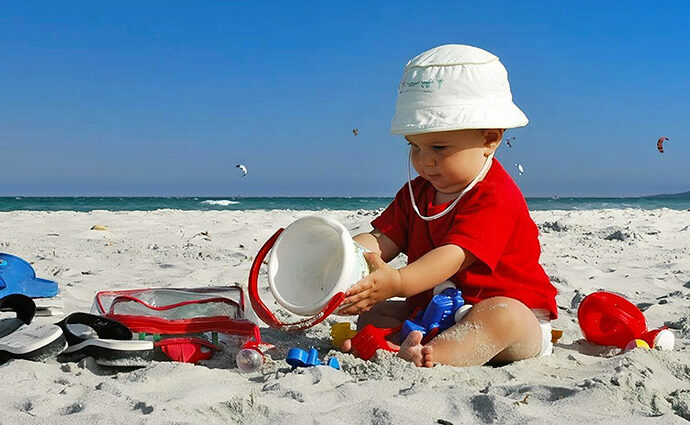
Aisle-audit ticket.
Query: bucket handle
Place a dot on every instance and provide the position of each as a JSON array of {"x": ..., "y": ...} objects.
[{"x": 265, "y": 314}]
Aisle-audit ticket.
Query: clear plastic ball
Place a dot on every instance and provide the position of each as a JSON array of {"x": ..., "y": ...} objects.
[{"x": 249, "y": 360}]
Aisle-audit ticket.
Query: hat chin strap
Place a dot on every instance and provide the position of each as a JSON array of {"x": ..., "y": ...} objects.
[{"x": 482, "y": 173}]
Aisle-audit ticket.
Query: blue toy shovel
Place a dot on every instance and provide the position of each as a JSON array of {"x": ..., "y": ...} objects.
[{"x": 18, "y": 277}]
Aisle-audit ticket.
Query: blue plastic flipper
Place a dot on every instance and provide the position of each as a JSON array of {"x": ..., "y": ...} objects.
[{"x": 18, "y": 277}]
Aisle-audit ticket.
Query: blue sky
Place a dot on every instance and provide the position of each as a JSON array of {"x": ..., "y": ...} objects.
[{"x": 165, "y": 97}]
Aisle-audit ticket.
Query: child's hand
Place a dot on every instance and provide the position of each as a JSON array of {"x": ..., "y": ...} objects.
[{"x": 382, "y": 283}]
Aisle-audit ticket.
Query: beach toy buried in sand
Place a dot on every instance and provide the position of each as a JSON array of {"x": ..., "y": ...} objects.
[
  {"x": 311, "y": 265},
  {"x": 370, "y": 339},
  {"x": 365, "y": 342},
  {"x": 636, "y": 343},
  {"x": 340, "y": 332},
  {"x": 18, "y": 277},
  {"x": 250, "y": 358},
  {"x": 298, "y": 357},
  {"x": 609, "y": 319}
]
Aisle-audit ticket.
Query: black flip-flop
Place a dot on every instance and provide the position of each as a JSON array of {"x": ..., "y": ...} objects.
[
  {"x": 114, "y": 345},
  {"x": 19, "y": 339}
]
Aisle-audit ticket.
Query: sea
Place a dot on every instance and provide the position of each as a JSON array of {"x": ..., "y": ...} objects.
[{"x": 19, "y": 203}]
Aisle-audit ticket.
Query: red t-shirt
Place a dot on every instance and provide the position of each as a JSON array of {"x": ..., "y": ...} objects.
[{"x": 492, "y": 222}]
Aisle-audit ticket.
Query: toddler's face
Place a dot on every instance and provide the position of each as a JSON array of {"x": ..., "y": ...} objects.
[{"x": 450, "y": 160}]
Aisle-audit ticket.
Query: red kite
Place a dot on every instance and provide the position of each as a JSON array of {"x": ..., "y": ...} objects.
[{"x": 660, "y": 144}]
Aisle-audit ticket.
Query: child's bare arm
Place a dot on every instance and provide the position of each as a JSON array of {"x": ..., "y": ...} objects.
[
  {"x": 425, "y": 273},
  {"x": 377, "y": 242},
  {"x": 436, "y": 266}
]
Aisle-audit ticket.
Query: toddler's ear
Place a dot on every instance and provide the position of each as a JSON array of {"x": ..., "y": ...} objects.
[{"x": 492, "y": 138}]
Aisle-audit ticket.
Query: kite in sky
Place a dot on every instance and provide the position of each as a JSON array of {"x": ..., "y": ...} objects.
[
  {"x": 355, "y": 131},
  {"x": 243, "y": 168},
  {"x": 508, "y": 140},
  {"x": 660, "y": 144}
]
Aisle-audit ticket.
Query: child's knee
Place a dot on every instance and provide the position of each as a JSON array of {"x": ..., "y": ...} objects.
[{"x": 504, "y": 312}]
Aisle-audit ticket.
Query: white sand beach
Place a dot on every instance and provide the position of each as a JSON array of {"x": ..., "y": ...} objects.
[{"x": 643, "y": 255}]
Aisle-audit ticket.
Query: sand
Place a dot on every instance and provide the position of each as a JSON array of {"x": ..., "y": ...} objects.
[{"x": 643, "y": 255}]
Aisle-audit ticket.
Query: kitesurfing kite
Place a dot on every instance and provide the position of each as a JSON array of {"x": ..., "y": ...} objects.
[
  {"x": 520, "y": 169},
  {"x": 508, "y": 140},
  {"x": 660, "y": 144},
  {"x": 355, "y": 131},
  {"x": 243, "y": 168}
]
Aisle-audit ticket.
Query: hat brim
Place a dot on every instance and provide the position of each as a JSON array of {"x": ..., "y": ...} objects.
[{"x": 458, "y": 117}]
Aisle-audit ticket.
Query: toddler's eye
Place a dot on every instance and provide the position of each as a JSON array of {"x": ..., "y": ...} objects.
[{"x": 439, "y": 148}]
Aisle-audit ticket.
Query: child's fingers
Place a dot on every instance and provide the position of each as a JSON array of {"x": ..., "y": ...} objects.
[
  {"x": 362, "y": 285},
  {"x": 354, "y": 308},
  {"x": 357, "y": 308},
  {"x": 359, "y": 296},
  {"x": 347, "y": 311}
]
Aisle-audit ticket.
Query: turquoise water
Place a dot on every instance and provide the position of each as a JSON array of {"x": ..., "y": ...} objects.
[{"x": 678, "y": 202}]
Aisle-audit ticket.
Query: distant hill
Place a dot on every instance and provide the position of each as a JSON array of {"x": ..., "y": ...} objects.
[{"x": 670, "y": 195}]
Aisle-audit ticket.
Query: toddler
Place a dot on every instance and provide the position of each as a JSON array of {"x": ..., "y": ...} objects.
[{"x": 462, "y": 223}]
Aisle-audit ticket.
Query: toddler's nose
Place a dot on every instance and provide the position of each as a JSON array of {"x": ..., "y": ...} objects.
[{"x": 426, "y": 159}]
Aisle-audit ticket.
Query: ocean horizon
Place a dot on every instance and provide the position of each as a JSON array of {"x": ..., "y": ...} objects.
[{"x": 202, "y": 203}]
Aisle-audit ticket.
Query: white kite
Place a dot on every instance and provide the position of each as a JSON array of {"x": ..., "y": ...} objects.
[
  {"x": 243, "y": 168},
  {"x": 520, "y": 169}
]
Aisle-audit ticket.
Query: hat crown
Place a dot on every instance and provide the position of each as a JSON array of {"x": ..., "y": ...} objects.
[
  {"x": 451, "y": 54},
  {"x": 455, "y": 87}
]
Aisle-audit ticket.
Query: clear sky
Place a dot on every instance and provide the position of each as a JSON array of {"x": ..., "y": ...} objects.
[{"x": 166, "y": 97}]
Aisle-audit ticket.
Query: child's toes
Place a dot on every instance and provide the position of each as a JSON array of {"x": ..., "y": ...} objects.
[
  {"x": 347, "y": 346},
  {"x": 411, "y": 348},
  {"x": 427, "y": 356}
]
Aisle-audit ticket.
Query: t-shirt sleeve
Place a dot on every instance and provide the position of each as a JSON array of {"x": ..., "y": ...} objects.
[
  {"x": 394, "y": 221},
  {"x": 484, "y": 228}
]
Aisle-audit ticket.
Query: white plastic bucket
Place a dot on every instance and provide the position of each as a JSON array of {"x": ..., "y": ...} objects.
[{"x": 311, "y": 261}]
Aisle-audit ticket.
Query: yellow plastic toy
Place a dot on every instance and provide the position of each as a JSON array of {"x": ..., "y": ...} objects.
[
  {"x": 636, "y": 343},
  {"x": 340, "y": 332}
]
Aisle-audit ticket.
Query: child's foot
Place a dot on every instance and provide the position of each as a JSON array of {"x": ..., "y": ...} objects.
[{"x": 413, "y": 351}]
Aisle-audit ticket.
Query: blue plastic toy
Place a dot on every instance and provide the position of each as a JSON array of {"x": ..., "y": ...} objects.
[
  {"x": 438, "y": 316},
  {"x": 18, "y": 277},
  {"x": 297, "y": 357}
]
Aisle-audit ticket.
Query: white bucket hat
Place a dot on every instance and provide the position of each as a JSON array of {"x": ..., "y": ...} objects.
[{"x": 455, "y": 87}]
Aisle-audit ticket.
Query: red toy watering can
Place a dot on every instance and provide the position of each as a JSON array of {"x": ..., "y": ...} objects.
[{"x": 609, "y": 319}]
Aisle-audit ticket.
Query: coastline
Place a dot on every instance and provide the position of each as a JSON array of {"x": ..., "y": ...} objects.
[{"x": 346, "y": 203}]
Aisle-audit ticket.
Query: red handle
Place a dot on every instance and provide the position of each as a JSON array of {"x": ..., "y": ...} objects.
[{"x": 265, "y": 314}]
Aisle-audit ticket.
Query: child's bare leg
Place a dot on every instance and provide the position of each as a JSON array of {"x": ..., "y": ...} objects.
[
  {"x": 498, "y": 329},
  {"x": 387, "y": 314}
]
